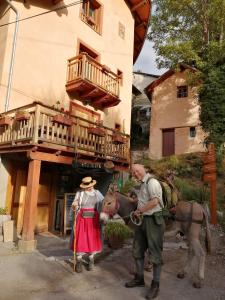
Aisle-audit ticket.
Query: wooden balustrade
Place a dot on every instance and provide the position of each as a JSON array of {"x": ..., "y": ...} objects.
[
  {"x": 41, "y": 128},
  {"x": 85, "y": 67}
]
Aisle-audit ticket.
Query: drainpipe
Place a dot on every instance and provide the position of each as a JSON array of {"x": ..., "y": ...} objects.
[{"x": 9, "y": 87}]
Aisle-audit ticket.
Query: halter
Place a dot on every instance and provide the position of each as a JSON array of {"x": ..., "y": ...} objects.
[{"x": 136, "y": 220}]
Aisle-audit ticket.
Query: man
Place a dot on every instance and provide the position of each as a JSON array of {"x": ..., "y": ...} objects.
[
  {"x": 149, "y": 235},
  {"x": 87, "y": 204}
]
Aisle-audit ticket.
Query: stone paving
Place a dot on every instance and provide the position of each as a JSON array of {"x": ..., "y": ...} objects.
[{"x": 47, "y": 274}]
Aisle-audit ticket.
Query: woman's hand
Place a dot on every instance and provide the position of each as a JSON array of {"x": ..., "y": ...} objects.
[{"x": 75, "y": 204}]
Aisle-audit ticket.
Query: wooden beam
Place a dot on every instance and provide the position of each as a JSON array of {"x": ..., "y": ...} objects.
[
  {"x": 140, "y": 25},
  {"x": 89, "y": 92},
  {"x": 135, "y": 7},
  {"x": 100, "y": 99},
  {"x": 30, "y": 208},
  {"x": 41, "y": 156}
]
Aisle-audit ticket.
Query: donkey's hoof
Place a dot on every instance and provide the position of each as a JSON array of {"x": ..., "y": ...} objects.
[
  {"x": 181, "y": 275},
  {"x": 197, "y": 284}
]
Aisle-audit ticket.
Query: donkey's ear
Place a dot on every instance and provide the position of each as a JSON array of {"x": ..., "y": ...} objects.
[{"x": 113, "y": 188}]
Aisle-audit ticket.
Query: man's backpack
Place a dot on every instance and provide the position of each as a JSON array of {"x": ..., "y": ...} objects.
[{"x": 167, "y": 196}]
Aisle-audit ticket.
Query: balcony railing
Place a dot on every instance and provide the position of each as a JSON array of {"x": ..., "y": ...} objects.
[
  {"x": 43, "y": 125},
  {"x": 92, "y": 82}
]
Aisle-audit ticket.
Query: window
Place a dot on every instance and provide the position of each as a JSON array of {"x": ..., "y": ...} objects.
[
  {"x": 192, "y": 132},
  {"x": 120, "y": 76},
  {"x": 91, "y": 14},
  {"x": 121, "y": 30},
  {"x": 182, "y": 91},
  {"x": 83, "y": 48},
  {"x": 117, "y": 127}
]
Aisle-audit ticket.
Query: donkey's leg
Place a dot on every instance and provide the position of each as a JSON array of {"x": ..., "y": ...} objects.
[
  {"x": 187, "y": 266},
  {"x": 200, "y": 255}
]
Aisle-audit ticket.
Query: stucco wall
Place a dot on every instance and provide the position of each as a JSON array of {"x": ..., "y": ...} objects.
[
  {"x": 168, "y": 111},
  {"x": 46, "y": 42}
]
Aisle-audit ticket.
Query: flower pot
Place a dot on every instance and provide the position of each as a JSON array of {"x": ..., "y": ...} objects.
[
  {"x": 61, "y": 119},
  {"x": 118, "y": 139},
  {"x": 22, "y": 116},
  {"x": 5, "y": 121},
  {"x": 96, "y": 131},
  {"x": 3, "y": 218},
  {"x": 115, "y": 242}
]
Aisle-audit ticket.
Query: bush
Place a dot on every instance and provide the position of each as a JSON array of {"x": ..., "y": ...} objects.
[
  {"x": 117, "y": 230},
  {"x": 192, "y": 192},
  {"x": 3, "y": 210}
]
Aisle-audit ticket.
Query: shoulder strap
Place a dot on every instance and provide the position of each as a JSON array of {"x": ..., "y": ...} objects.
[{"x": 164, "y": 198}]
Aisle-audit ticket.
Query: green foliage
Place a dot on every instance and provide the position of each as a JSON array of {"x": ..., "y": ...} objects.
[
  {"x": 129, "y": 184},
  {"x": 117, "y": 230},
  {"x": 3, "y": 210},
  {"x": 190, "y": 31},
  {"x": 183, "y": 165},
  {"x": 212, "y": 100},
  {"x": 191, "y": 192}
]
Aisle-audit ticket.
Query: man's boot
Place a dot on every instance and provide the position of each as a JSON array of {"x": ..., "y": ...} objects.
[
  {"x": 154, "y": 290},
  {"x": 79, "y": 267},
  {"x": 138, "y": 279}
]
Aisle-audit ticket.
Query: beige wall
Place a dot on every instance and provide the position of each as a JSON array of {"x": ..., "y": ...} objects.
[
  {"x": 168, "y": 111},
  {"x": 46, "y": 42}
]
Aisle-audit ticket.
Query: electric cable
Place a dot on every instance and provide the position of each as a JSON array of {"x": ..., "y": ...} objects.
[{"x": 44, "y": 13}]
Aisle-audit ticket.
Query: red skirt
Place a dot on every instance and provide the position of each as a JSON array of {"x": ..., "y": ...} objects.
[{"x": 88, "y": 232}]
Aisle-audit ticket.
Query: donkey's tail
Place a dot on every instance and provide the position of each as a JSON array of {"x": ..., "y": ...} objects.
[{"x": 208, "y": 240}]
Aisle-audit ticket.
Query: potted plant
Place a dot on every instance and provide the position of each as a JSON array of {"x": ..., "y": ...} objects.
[
  {"x": 116, "y": 233},
  {"x": 117, "y": 138},
  {"x": 5, "y": 120},
  {"x": 98, "y": 131},
  {"x": 62, "y": 119},
  {"x": 22, "y": 115},
  {"x": 4, "y": 216}
]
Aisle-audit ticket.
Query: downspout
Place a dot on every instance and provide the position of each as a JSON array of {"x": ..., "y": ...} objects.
[{"x": 9, "y": 86}]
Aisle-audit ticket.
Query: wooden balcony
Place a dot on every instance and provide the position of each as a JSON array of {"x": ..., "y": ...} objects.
[
  {"x": 51, "y": 130},
  {"x": 92, "y": 82}
]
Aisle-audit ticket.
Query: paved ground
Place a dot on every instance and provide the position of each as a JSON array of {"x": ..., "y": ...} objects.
[{"x": 47, "y": 274}]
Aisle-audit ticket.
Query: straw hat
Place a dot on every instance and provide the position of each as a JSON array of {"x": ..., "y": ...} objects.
[{"x": 87, "y": 182}]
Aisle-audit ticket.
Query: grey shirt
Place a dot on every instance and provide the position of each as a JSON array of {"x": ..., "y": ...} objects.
[{"x": 149, "y": 190}]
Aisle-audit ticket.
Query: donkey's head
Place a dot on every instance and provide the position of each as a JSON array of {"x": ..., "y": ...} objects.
[{"x": 110, "y": 204}]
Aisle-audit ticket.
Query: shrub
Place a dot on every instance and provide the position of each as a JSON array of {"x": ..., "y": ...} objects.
[
  {"x": 3, "y": 210},
  {"x": 117, "y": 230}
]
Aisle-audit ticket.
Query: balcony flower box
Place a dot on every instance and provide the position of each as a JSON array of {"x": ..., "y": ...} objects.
[
  {"x": 5, "y": 121},
  {"x": 63, "y": 120},
  {"x": 22, "y": 115},
  {"x": 118, "y": 139},
  {"x": 96, "y": 131}
]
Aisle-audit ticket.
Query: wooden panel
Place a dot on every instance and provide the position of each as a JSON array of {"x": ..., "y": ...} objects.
[
  {"x": 168, "y": 139},
  {"x": 44, "y": 193},
  {"x": 19, "y": 198}
]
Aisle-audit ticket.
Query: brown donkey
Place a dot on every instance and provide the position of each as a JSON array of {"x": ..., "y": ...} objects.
[{"x": 189, "y": 217}]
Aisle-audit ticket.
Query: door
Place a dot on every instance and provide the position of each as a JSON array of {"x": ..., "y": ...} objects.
[{"x": 168, "y": 142}]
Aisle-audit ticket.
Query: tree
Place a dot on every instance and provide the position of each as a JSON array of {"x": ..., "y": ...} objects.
[
  {"x": 190, "y": 31},
  {"x": 212, "y": 99},
  {"x": 193, "y": 31}
]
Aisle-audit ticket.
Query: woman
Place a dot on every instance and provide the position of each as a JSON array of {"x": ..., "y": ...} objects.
[{"x": 87, "y": 204}]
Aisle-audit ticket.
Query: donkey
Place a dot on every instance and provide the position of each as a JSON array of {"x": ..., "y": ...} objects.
[{"x": 189, "y": 217}]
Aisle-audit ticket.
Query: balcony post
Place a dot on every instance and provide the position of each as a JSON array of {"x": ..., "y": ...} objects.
[
  {"x": 36, "y": 122},
  {"x": 28, "y": 243},
  {"x": 83, "y": 66}
]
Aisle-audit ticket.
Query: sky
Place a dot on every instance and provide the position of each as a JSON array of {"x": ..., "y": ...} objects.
[{"x": 146, "y": 60}]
